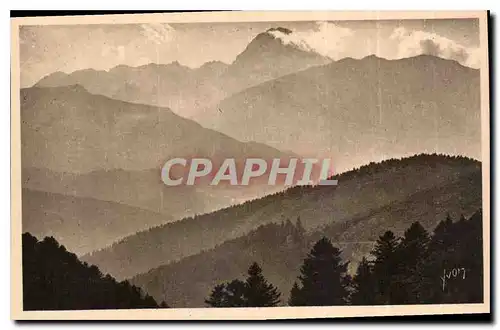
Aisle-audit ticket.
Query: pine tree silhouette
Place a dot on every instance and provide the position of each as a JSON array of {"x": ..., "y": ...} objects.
[
  {"x": 230, "y": 294},
  {"x": 258, "y": 292},
  {"x": 236, "y": 290},
  {"x": 363, "y": 284},
  {"x": 438, "y": 254},
  {"x": 295, "y": 296},
  {"x": 455, "y": 247},
  {"x": 419, "y": 269},
  {"x": 384, "y": 267},
  {"x": 54, "y": 279},
  {"x": 468, "y": 254},
  {"x": 323, "y": 278},
  {"x": 442, "y": 236},
  {"x": 218, "y": 296},
  {"x": 412, "y": 254}
]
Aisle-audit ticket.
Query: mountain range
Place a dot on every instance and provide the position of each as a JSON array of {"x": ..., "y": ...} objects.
[
  {"x": 68, "y": 129},
  {"x": 94, "y": 142},
  {"x": 371, "y": 189},
  {"x": 83, "y": 224},
  {"x": 296, "y": 100},
  {"x": 187, "y": 91},
  {"x": 386, "y": 196},
  {"x": 357, "y": 111},
  {"x": 91, "y": 147}
]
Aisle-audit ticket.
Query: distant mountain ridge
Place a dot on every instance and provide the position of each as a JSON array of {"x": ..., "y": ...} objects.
[
  {"x": 188, "y": 91},
  {"x": 68, "y": 129},
  {"x": 83, "y": 224},
  {"x": 278, "y": 94},
  {"x": 142, "y": 189},
  {"x": 94, "y": 149},
  {"x": 353, "y": 225},
  {"x": 266, "y": 58},
  {"x": 373, "y": 187},
  {"x": 356, "y": 111}
]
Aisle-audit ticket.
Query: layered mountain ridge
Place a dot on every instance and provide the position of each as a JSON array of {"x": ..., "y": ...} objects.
[
  {"x": 374, "y": 187},
  {"x": 356, "y": 111},
  {"x": 386, "y": 196},
  {"x": 189, "y": 91}
]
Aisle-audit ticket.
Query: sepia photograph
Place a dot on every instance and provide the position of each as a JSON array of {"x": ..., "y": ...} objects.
[{"x": 250, "y": 165}]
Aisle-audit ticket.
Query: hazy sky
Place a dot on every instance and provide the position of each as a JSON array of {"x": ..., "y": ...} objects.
[{"x": 46, "y": 49}]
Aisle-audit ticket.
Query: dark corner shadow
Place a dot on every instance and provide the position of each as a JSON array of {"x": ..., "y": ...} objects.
[
  {"x": 37, "y": 13},
  {"x": 491, "y": 65}
]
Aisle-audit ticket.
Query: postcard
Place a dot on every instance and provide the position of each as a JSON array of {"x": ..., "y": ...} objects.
[{"x": 250, "y": 165}]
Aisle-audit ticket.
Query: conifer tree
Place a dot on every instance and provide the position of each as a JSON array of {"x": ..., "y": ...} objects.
[
  {"x": 438, "y": 258},
  {"x": 412, "y": 254},
  {"x": 442, "y": 236},
  {"x": 228, "y": 295},
  {"x": 323, "y": 278},
  {"x": 217, "y": 297},
  {"x": 384, "y": 267},
  {"x": 363, "y": 284},
  {"x": 455, "y": 247},
  {"x": 258, "y": 291},
  {"x": 255, "y": 291},
  {"x": 236, "y": 294},
  {"x": 55, "y": 279},
  {"x": 295, "y": 297},
  {"x": 469, "y": 256}
]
